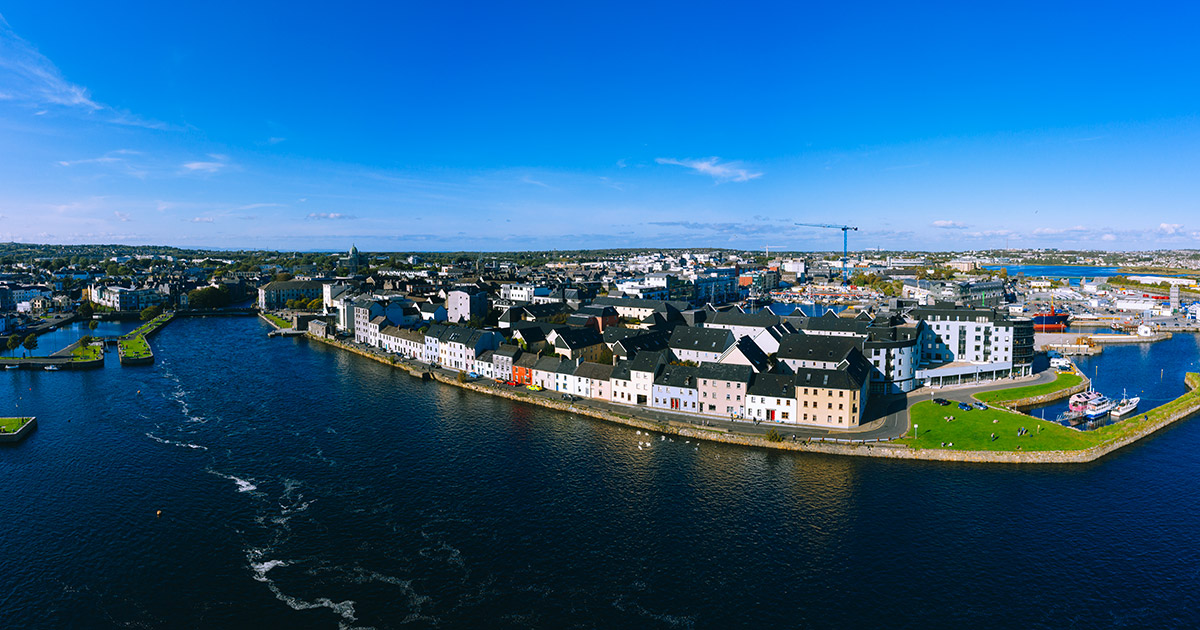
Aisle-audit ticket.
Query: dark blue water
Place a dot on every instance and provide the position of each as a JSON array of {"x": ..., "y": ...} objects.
[
  {"x": 1153, "y": 371},
  {"x": 811, "y": 310},
  {"x": 56, "y": 340},
  {"x": 303, "y": 487},
  {"x": 1057, "y": 271}
]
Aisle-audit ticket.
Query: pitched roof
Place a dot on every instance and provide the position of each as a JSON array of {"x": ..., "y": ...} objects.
[
  {"x": 677, "y": 376},
  {"x": 700, "y": 339},
  {"x": 816, "y": 347},
  {"x": 577, "y": 338},
  {"x": 725, "y": 372},
  {"x": 594, "y": 371},
  {"x": 527, "y": 360},
  {"x": 750, "y": 350},
  {"x": 774, "y": 385},
  {"x": 761, "y": 319}
]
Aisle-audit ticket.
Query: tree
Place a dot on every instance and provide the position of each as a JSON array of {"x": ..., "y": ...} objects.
[
  {"x": 86, "y": 310},
  {"x": 85, "y": 340},
  {"x": 283, "y": 277},
  {"x": 13, "y": 342},
  {"x": 30, "y": 341},
  {"x": 315, "y": 304},
  {"x": 92, "y": 324},
  {"x": 150, "y": 312},
  {"x": 209, "y": 297}
]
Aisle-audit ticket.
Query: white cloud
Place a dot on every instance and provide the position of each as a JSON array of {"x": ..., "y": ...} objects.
[
  {"x": 121, "y": 216},
  {"x": 727, "y": 172},
  {"x": 204, "y": 167},
  {"x": 331, "y": 216},
  {"x": 202, "y": 220},
  {"x": 1109, "y": 237},
  {"x": 529, "y": 180},
  {"x": 1170, "y": 229},
  {"x": 949, "y": 225},
  {"x": 29, "y": 77}
]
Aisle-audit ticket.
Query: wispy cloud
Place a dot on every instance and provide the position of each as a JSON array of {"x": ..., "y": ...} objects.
[
  {"x": 529, "y": 180},
  {"x": 215, "y": 164},
  {"x": 31, "y": 78},
  {"x": 329, "y": 216},
  {"x": 202, "y": 220},
  {"x": 713, "y": 167},
  {"x": 949, "y": 225},
  {"x": 121, "y": 216},
  {"x": 275, "y": 140}
]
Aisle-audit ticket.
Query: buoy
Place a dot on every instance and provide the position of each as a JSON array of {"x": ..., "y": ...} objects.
[{"x": 159, "y": 513}]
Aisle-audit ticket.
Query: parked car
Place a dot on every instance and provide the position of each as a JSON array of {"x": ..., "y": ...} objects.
[
  {"x": 534, "y": 388},
  {"x": 980, "y": 405},
  {"x": 941, "y": 401},
  {"x": 964, "y": 406},
  {"x": 511, "y": 383}
]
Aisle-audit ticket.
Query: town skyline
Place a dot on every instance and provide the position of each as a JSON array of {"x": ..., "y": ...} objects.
[{"x": 539, "y": 128}]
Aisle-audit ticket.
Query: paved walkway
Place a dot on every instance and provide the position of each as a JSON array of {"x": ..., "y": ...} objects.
[{"x": 888, "y": 414}]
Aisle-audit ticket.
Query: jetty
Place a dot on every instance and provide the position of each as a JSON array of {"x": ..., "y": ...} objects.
[{"x": 16, "y": 429}]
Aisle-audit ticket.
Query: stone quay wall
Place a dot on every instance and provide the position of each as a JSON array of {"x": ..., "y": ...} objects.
[{"x": 855, "y": 449}]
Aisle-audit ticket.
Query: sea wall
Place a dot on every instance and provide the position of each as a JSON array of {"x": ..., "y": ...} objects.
[
  {"x": 858, "y": 449},
  {"x": 1021, "y": 404},
  {"x": 20, "y": 434}
]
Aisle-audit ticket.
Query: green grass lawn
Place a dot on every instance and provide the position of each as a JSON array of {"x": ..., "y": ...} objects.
[
  {"x": 972, "y": 431},
  {"x": 10, "y": 425},
  {"x": 279, "y": 321},
  {"x": 86, "y": 353},
  {"x": 1063, "y": 381},
  {"x": 149, "y": 326},
  {"x": 135, "y": 348}
]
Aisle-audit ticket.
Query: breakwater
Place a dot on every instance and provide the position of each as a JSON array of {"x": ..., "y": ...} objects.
[
  {"x": 1023, "y": 404},
  {"x": 1190, "y": 404}
]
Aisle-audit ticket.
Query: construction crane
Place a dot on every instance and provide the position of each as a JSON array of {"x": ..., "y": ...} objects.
[
  {"x": 845, "y": 230},
  {"x": 768, "y": 249}
]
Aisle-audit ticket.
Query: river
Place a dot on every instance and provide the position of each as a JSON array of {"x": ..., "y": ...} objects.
[{"x": 305, "y": 487}]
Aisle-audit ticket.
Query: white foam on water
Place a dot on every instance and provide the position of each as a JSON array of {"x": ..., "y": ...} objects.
[
  {"x": 242, "y": 484},
  {"x": 174, "y": 443},
  {"x": 344, "y": 609}
]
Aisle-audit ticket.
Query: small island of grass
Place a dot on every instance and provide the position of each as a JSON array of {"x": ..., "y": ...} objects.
[{"x": 10, "y": 425}]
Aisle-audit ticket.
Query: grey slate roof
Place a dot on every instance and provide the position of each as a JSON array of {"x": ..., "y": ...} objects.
[
  {"x": 725, "y": 372},
  {"x": 677, "y": 376},
  {"x": 761, "y": 319},
  {"x": 817, "y": 347},
  {"x": 700, "y": 339},
  {"x": 594, "y": 371},
  {"x": 773, "y": 385}
]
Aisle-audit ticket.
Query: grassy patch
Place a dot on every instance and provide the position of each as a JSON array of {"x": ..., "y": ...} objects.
[
  {"x": 86, "y": 353},
  {"x": 972, "y": 431},
  {"x": 278, "y": 321},
  {"x": 150, "y": 326},
  {"x": 10, "y": 425},
  {"x": 135, "y": 347},
  {"x": 1063, "y": 381}
]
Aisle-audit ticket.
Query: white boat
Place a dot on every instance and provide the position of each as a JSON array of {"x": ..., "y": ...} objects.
[
  {"x": 1126, "y": 406},
  {"x": 1099, "y": 407},
  {"x": 51, "y": 368},
  {"x": 12, "y": 366}
]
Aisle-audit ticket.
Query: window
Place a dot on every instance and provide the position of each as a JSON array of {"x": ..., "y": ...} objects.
[{"x": 785, "y": 415}]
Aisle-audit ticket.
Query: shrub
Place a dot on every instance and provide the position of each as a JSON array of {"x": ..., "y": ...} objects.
[{"x": 773, "y": 436}]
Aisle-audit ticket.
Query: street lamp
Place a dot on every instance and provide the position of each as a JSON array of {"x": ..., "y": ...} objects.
[{"x": 915, "y": 427}]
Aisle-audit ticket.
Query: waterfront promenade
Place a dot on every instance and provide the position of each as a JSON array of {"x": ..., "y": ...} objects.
[{"x": 876, "y": 439}]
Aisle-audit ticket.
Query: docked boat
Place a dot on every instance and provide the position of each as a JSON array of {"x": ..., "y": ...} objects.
[
  {"x": 1079, "y": 402},
  {"x": 51, "y": 368},
  {"x": 1051, "y": 320},
  {"x": 12, "y": 366},
  {"x": 1126, "y": 406},
  {"x": 1099, "y": 407},
  {"x": 1070, "y": 417}
]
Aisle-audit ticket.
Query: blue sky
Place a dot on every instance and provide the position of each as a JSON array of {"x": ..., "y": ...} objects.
[{"x": 501, "y": 126}]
